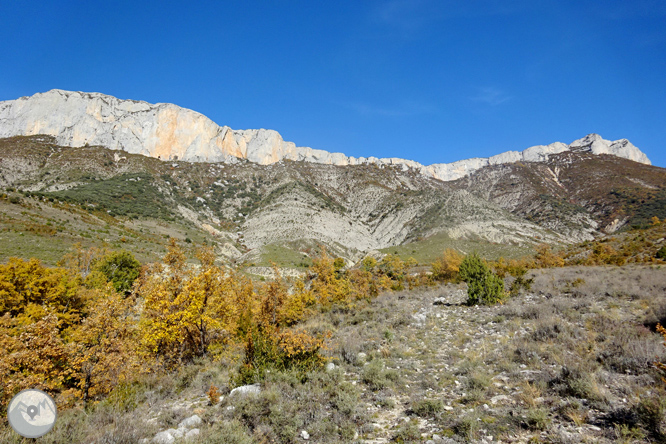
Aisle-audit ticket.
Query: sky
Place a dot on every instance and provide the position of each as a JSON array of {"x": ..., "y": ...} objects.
[{"x": 428, "y": 80}]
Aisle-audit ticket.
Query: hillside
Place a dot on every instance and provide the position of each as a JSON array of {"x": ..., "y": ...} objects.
[
  {"x": 568, "y": 361},
  {"x": 252, "y": 211},
  {"x": 578, "y": 194}
]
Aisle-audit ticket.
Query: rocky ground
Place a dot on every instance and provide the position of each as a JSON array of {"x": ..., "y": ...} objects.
[{"x": 569, "y": 361}]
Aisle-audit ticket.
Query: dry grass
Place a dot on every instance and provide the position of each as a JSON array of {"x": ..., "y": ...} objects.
[{"x": 570, "y": 361}]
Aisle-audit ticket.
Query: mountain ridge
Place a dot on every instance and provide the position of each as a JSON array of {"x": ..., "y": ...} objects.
[
  {"x": 170, "y": 132},
  {"x": 282, "y": 212}
]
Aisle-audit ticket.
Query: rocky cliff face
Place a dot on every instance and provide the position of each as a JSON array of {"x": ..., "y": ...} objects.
[{"x": 170, "y": 132}]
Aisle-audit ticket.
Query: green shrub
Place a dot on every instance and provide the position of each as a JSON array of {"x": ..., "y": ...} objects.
[
  {"x": 232, "y": 432},
  {"x": 408, "y": 433},
  {"x": 121, "y": 269},
  {"x": 483, "y": 286},
  {"x": 427, "y": 408},
  {"x": 123, "y": 398},
  {"x": 651, "y": 412},
  {"x": 661, "y": 253},
  {"x": 537, "y": 419},
  {"x": 580, "y": 383},
  {"x": 467, "y": 427},
  {"x": 520, "y": 282},
  {"x": 287, "y": 351},
  {"x": 376, "y": 377}
]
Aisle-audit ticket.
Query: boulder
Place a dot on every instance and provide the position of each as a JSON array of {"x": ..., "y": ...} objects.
[
  {"x": 244, "y": 390},
  {"x": 192, "y": 434},
  {"x": 190, "y": 422},
  {"x": 164, "y": 437}
]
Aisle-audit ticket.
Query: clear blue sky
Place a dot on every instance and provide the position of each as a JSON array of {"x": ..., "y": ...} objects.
[{"x": 429, "y": 80}]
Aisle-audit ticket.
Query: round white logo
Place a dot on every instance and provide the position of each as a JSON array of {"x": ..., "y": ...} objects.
[{"x": 32, "y": 413}]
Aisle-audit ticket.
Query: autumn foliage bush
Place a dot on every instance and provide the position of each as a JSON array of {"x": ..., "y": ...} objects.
[
  {"x": 91, "y": 326},
  {"x": 60, "y": 336},
  {"x": 185, "y": 311},
  {"x": 447, "y": 266}
]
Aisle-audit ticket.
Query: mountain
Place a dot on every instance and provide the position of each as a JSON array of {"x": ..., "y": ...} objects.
[
  {"x": 576, "y": 193},
  {"x": 247, "y": 209},
  {"x": 111, "y": 172},
  {"x": 170, "y": 132}
]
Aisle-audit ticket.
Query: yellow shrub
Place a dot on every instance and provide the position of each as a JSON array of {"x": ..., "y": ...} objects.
[
  {"x": 446, "y": 267},
  {"x": 186, "y": 310},
  {"x": 546, "y": 258}
]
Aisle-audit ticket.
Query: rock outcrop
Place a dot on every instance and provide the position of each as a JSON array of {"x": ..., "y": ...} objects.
[{"x": 170, "y": 132}]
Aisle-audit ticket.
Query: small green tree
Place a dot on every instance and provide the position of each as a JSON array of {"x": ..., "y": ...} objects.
[
  {"x": 483, "y": 286},
  {"x": 121, "y": 269}
]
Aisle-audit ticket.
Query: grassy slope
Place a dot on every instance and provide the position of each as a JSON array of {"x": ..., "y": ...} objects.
[
  {"x": 427, "y": 250},
  {"x": 47, "y": 231}
]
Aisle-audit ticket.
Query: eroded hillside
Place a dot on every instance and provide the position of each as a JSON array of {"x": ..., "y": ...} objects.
[{"x": 248, "y": 209}]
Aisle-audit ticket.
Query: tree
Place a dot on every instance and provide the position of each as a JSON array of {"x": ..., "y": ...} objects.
[
  {"x": 121, "y": 269},
  {"x": 81, "y": 260},
  {"x": 186, "y": 310},
  {"x": 446, "y": 267},
  {"x": 483, "y": 286},
  {"x": 328, "y": 286},
  {"x": 104, "y": 345}
]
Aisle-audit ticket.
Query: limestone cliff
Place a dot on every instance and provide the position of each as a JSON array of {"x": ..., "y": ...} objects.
[{"x": 170, "y": 132}]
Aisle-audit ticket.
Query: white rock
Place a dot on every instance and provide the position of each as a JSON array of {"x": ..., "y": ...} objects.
[
  {"x": 499, "y": 398},
  {"x": 192, "y": 434},
  {"x": 305, "y": 434},
  {"x": 170, "y": 132},
  {"x": 246, "y": 390},
  {"x": 361, "y": 357},
  {"x": 330, "y": 367},
  {"x": 164, "y": 437},
  {"x": 420, "y": 318},
  {"x": 177, "y": 433},
  {"x": 190, "y": 422}
]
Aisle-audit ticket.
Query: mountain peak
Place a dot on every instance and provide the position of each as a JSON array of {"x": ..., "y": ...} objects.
[
  {"x": 169, "y": 132},
  {"x": 596, "y": 144}
]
